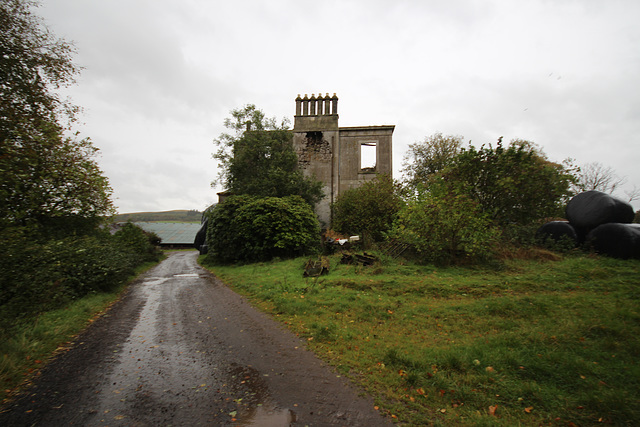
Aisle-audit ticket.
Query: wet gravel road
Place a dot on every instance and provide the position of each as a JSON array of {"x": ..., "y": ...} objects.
[{"x": 181, "y": 349}]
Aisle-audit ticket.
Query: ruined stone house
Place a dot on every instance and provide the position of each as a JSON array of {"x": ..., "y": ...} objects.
[{"x": 340, "y": 157}]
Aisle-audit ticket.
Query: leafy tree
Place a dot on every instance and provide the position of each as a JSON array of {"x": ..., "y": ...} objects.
[
  {"x": 427, "y": 158},
  {"x": 44, "y": 174},
  {"x": 258, "y": 158},
  {"x": 51, "y": 177},
  {"x": 249, "y": 228},
  {"x": 368, "y": 210},
  {"x": 446, "y": 226},
  {"x": 512, "y": 185},
  {"x": 33, "y": 62}
]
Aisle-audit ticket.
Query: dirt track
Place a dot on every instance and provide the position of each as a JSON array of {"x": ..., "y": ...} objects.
[{"x": 181, "y": 349}]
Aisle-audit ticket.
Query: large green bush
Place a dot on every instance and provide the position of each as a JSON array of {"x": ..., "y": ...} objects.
[
  {"x": 246, "y": 228},
  {"x": 38, "y": 275},
  {"x": 141, "y": 246},
  {"x": 445, "y": 226},
  {"x": 368, "y": 210},
  {"x": 512, "y": 185}
]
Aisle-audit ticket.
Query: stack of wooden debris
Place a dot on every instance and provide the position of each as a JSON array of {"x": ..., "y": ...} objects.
[{"x": 361, "y": 259}]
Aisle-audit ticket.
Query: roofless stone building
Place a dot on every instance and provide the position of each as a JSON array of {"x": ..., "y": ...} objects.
[{"x": 340, "y": 157}]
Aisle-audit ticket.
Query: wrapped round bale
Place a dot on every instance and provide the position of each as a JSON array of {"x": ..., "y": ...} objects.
[
  {"x": 557, "y": 231},
  {"x": 616, "y": 240},
  {"x": 200, "y": 242},
  {"x": 592, "y": 208}
]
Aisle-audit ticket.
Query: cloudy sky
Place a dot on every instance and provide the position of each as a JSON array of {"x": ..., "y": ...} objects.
[{"x": 160, "y": 76}]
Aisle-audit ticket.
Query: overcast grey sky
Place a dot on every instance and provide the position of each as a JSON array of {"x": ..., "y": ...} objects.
[{"x": 160, "y": 77}]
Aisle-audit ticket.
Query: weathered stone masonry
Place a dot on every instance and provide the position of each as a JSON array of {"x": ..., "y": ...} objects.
[{"x": 336, "y": 155}]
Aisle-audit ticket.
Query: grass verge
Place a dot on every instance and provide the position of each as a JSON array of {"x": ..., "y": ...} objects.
[
  {"x": 534, "y": 343},
  {"x": 26, "y": 347}
]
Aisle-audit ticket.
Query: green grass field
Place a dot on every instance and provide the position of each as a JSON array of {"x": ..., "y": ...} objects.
[{"x": 531, "y": 343}]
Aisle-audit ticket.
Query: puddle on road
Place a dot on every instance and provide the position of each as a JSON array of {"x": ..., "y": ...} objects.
[
  {"x": 156, "y": 365},
  {"x": 187, "y": 275},
  {"x": 266, "y": 416},
  {"x": 257, "y": 409}
]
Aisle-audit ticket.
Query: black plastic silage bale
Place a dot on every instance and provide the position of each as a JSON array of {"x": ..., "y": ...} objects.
[
  {"x": 616, "y": 240},
  {"x": 590, "y": 209},
  {"x": 557, "y": 231},
  {"x": 200, "y": 241}
]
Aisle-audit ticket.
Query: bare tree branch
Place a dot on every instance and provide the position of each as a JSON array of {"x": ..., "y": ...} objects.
[
  {"x": 596, "y": 176},
  {"x": 633, "y": 194}
]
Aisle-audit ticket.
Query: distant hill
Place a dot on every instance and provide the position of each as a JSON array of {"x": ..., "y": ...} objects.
[{"x": 167, "y": 216}]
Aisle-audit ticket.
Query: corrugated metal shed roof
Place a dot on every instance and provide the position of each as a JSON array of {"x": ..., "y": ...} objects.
[{"x": 172, "y": 233}]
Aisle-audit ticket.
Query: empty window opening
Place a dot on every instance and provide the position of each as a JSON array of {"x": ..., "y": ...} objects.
[{"x": 368, "y": 154}]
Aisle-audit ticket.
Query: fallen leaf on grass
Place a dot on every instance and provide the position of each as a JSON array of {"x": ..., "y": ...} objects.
[
  {"x": 528, "y": 409},
  {"x": 492, "y": 410}
]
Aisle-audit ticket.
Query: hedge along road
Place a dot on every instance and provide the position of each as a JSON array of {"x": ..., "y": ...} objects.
[{"x": 180, "y": 349}]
